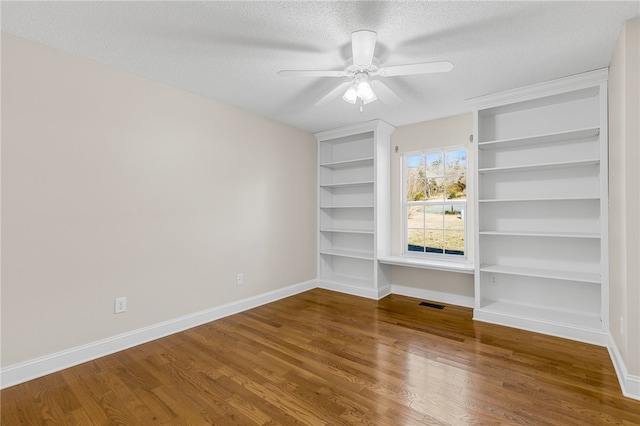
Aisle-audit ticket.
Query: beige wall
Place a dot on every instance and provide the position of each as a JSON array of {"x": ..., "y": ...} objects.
[
  {"x": 624, "y": 195},
  {"x": 113, "y": 185},
  {"x": 449, "y": 131}
]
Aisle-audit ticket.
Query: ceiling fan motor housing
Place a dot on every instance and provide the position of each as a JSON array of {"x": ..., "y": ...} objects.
[{"x": 352, "y": 69}]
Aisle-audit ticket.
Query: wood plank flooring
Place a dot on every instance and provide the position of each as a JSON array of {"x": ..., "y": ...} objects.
[{"x": 324, "y": 358}]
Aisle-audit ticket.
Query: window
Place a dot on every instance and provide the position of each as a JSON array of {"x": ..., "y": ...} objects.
[{"x": 435, "y": 201}]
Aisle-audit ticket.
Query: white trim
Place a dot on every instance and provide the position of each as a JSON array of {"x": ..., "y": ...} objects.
[
  {"x": 369, "y": 293},
  {"x": 587, "y": 79},
  {"x": 436, "y": 296},
  {"x": 385, "y": 291},
  {"x": 38, "y": 367},
  {"x": 579, "y": 334},
  {"x": 629, "y": 384},
  {"x": 378, "y": 126}
]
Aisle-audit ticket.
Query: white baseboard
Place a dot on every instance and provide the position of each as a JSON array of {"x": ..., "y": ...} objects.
[
  {"x": 38, "y": 367},
  {"x": 629, "y": 383},
  {"x": 594, "y": 337},
  {"x": 436, "y": 296},
  {"x": 369, "y": 293},
  {"x": 385, "y": 291}
]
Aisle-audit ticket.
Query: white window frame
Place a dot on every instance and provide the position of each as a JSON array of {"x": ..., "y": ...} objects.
[{"x": 455, "y": 202}]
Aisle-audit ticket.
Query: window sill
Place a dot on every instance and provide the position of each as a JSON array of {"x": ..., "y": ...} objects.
[{"x": 439, "y": 265}]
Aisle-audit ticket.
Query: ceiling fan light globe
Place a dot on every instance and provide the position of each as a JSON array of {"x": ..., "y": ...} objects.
[
  {"x": 351, "y": 95},
  {"x": 369, "y": 99},
  {"x": 364, "y": 89}
]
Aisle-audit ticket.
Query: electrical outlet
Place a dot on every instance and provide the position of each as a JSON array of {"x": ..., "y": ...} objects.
[
  {"x": 493, "y": 279},
  {"x": 239, "y": 279},
  {"x": 120, "y": 305}
]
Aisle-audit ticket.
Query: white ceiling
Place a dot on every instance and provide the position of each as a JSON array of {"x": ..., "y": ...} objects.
[{"x": 231, "y": 51}]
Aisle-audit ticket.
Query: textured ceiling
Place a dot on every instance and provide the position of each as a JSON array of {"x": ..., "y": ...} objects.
[{"x": 231, "y": 51}]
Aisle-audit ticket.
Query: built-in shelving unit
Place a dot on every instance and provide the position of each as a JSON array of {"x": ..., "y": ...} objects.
[
  {"x": 353, "y": 223},
  {"x": 541, "y": 243}
]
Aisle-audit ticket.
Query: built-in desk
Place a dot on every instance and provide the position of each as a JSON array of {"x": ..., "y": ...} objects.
[{"x": 439, "y": 265}]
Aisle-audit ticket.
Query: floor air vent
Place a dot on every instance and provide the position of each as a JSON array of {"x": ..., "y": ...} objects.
[{"x": 432, "y": 305}]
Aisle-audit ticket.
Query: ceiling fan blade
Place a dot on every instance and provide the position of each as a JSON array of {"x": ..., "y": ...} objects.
[
  {"x": 333, "y": 94},
  {"x": 311, "y": 73},
  {"x": 363, "y": 45},
  {"x": 386, "y": 95},
  {"x": 411, "y": 69}
]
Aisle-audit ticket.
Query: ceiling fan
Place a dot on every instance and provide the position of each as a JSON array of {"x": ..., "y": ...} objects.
[{"x": 361, "y": 67}]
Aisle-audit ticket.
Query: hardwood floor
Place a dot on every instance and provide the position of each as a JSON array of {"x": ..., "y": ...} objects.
[{"x": 324, "y": 358}]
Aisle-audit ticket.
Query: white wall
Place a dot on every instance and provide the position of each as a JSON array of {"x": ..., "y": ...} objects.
[
  {"x": 449, "y": 131},
  {"x": 113, "y": 185},
  {"x": 624, "y": 195}
]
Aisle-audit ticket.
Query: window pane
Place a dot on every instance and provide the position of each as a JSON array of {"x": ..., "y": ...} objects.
[
  {"x": 434, "y": 241},
  {"x": 456, "y": 163},
  {"x": 454, "y": 218},
  {"x": 456, "y": 174},
  {"x": 434, "y": 217},
  {"x": 415, "y": 240},
  {"x": 416, "y": 161},
  {"x": 416, "y": 189},
  {"x": 435, "y": 165},
  {"x": 456, "y": 188},
  {"x": 454, "y": 242},
  {"x": 415, "y": 217},
  {"x": 416, "y": 167},
  {"x": 435, "y": 189}
]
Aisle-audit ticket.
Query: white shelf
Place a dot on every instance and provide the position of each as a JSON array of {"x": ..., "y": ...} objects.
[
  {"x": 540, "y": 139},
  {"x": 347, "y": 231},
  {"x": 360, "y": 162},
  {"x": 543, "y": 234},
  {"x": 516, "y": 310},
  {"x": 352, "y": 216},
  {"x": 354, "y": 254},
  {"x": 534, "y": 200},
  {"x": 543, "y": 273},
  {"x": 542, "y": 171},
  {"x": 346, "y": 184},
  {"x": 542, "y": 166}
]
